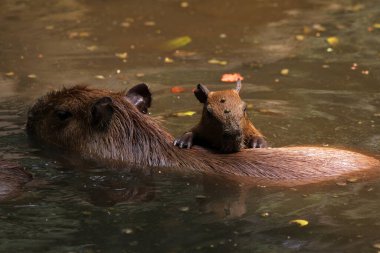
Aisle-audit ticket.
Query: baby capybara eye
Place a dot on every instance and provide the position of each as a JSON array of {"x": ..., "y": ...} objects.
[{"x": 63, "y": 115}]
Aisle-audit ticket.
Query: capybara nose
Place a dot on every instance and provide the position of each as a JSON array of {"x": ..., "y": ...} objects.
[{"x": 228, "y": 134}]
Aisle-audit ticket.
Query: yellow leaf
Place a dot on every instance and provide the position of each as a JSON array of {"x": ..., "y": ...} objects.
[
  {"x": 215, "y": 61},
  {"x": 123, "y": 55},
  {"x": 333, "y": 41},
  {"x": 101, "y": 77},
  {"x": 376, "y": 26},
  {"x": 284, "y": 72},
  {"x": 10, "y": 73},
  {"x": 300, "y": 223},
  {"x": 177, "y": 42},
  {"x": 168, "y": 60},
  {"x": 184, "y": 114}
]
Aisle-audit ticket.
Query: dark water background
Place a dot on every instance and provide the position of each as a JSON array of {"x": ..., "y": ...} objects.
[{"x": 324, "y": 100}]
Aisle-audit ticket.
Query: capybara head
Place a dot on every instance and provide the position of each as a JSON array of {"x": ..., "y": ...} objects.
[
  {"x": 224, "y": 117},
  {"x": 95, "y": 122}
]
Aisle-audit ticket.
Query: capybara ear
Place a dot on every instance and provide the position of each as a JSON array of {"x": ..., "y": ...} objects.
[
  {"x": 140, "y": 96},
  {"x": 238, "y": 85},
  {"x": 101, "y": 113},
  {"x": 201, "y": 93}
]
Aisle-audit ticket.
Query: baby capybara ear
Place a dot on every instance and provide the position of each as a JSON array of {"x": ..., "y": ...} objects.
[
  {"x": 201, "y": 93},
  {"x": 140, "y": 96},
  {"x": 101, "y": 113}
]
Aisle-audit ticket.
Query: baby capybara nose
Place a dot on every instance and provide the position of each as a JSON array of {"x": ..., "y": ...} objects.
[{"x": 229, "y": 134}]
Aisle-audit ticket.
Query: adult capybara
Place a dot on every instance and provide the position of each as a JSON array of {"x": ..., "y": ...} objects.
[
  {"x": 12, "y": 178},
  {"x": 224, "y": 125},
  {"x": 112, "y": 127}
]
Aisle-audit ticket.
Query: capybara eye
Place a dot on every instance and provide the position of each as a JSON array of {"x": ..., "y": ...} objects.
[{"x": 63, "y": 115}]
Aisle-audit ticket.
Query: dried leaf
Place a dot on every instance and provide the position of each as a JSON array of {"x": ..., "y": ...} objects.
[
  {"x": 184, "y": 114},
  {"x": 101, "y": 77},
  {"x": 231, "y": 78},
  {"x": 168, "y": 60},
  {"x": 177, "y": 89},
  {"x": 9, "y": 74},
  {"x": 123, "y": 55},
  {"x": 376, "y": 26},
  {"x": 92, "y": 48},
  {"x": 299, "y": 222},
  {"x": 333, "y": 41},
  {"x": 284, "y": 72},
  {"x": 177, "y": 43},
  {"x": 149, "y": 23},
  {"x": 218, "y": 62},
  {"x": 32, "y": 76}
]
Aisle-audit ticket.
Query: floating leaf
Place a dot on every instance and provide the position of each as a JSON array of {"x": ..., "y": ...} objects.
[
  {"x": 184, "y": 4},
  {"x": 123, "y": 55},
  {"x": 92, "y": 48},
  {"x": 168, "y": 60},
  {"x": 32, "y": 76},
  {"x": 219, "y": 62},
  {"x": 231, "y": 78},
  {"x": 9, "y": 74},
  {"x": 284, "y": 72},
  {"x": 299, "y": 222},
  {"x": 177, "y": 43},
  {"x": 376, "y": 26},
  {"x": 149, "y": 23},
  {"x": 184, "y": 209},
  {"x": 184, "y": 114},
  {"x": 333, "y": 41},
  {"x": 101, "y": 77},
  {"x": 177, "y": 89},
  {"x": 127, "y": 231},
  {"x": 300, "y": 37}
]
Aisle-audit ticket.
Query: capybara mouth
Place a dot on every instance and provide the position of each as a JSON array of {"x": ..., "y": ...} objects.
[{"x": 231, "y": 145}]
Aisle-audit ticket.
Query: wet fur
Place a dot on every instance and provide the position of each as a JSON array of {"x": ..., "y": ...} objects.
[{"x": 134, "y": 138}]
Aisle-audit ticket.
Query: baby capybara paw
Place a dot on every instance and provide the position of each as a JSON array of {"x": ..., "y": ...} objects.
[
  {"x": 256, "y": 142},
  {"x": 185, "y": 141}
]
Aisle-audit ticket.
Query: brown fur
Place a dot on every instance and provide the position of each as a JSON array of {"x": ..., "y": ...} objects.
[
  {"x": 134, "y": 138},
  {"x": 224, "y": 125},
  {"x": 12, "y": 179}
]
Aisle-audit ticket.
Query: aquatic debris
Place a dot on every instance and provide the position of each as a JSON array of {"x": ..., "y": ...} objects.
[
  {"x": 184, "y": 114},
  {"x": 49, "y": 27},
  {"x": 218, "y": 62},
  {"x": 376, "y": 25},
  {"x": 264, "y": 214},
  {"x": 376, "y": 245},
  {"x": 101, "y": 77},
  {"x": 365, "y": 72},
  {"x": 92, "y": 48},
  {"x": 123, "y": 55},
  {"x": 184, "y": 209},
  {"x": 300, "y": 37},
  {"x": 168, "y": 60},
  {"x": 149, "y": 23},
  {"x": 140, "y": 74},
  {"x": 341, "y": 183},
  {"x": 9, "y": 74},
  {"x": 284, "y": 72},
  {"x": 177, "y": 89},
  {"x": 332, "y": 41},
  {"x": 222, "y": 35},
  {"x": 127, "y": 231},
  {"x": 32, "y": 76},
  {"x": 319, "y": 28},
  {"x": 184, "y": 4},
  {"x": 231, "y": 78},
  {"x": 73, "y": 35},
  {"x": 177, "y": 43},
  {"x": 299, "y": 222}
]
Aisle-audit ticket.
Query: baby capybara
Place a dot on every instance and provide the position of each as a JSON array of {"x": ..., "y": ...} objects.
[
  {"x": 113, "y": 129},
  {"x": 224, "y": 125}
]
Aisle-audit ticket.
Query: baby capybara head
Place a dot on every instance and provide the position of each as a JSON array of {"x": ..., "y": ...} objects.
[
  {"x": 224, "y": 117},
  {"x": 88, "y": 120}
]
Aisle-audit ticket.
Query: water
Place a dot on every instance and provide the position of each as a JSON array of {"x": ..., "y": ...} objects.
[{"x": 324, "y": 100}]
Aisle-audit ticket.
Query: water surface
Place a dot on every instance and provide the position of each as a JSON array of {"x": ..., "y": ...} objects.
[{"x": 330, "y": 97}]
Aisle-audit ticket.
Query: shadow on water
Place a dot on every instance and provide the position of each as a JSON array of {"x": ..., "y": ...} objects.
[{"x": 330, "y": 96}]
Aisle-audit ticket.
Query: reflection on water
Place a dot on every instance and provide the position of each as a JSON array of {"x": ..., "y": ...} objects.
[{"x": 329, "y": 97}]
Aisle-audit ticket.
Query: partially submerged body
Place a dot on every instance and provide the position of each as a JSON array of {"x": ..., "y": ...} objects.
[
  {"x": 224, "y": 125},
  {"x": 106, "y": 126},
  {"x": 12, "y": 179}
]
